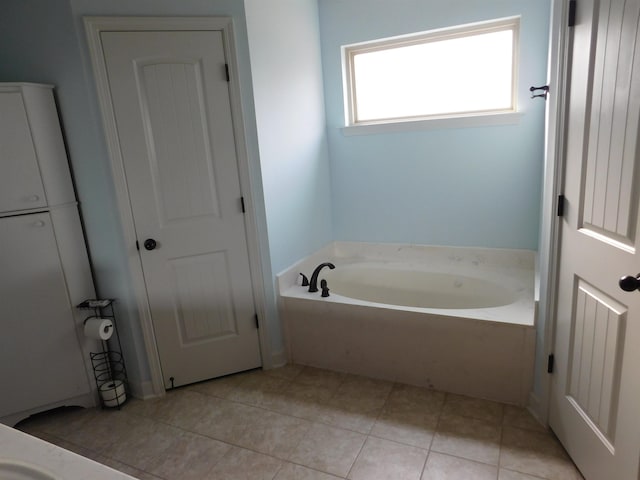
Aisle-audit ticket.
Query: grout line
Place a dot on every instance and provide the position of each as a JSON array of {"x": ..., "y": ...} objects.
[
  {"x": 315, "y": 469},
  {"x": 286, "y": 382},
  {"x": 424, "y": 465},
  {"x": 357, "y": 457},
  {"x": 278, "y": 471},
  {"x": 535, "y": 477},
  {"x": 466, "y": 459}
]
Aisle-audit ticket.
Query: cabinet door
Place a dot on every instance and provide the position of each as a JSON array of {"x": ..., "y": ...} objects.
[
  {"x": 40, "y": 357},
  {"x": 20, "y": 182}
]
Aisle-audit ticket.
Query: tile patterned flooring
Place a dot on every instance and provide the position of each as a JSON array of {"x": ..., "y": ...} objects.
[{"x": 304, "y": 423}]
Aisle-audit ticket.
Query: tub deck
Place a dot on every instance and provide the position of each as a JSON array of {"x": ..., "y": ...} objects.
[{"x": 486, "y": 353}]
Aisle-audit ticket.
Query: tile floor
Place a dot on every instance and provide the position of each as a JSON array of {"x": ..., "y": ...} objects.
[{"x": 310, "y": 424}]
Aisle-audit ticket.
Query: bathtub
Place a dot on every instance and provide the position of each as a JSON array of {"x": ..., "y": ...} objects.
[{"x": 459, "y": 320}]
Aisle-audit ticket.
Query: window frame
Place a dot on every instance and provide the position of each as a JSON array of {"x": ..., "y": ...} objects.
[{"x": 469, "y": 118}]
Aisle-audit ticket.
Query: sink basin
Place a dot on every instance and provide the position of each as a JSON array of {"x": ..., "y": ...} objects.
[{"x": 15, "y": 470}]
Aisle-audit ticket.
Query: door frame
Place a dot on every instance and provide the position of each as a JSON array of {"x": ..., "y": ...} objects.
[
  {"x": 552, "y": 185},
  {"x": 94, "y": 26}
]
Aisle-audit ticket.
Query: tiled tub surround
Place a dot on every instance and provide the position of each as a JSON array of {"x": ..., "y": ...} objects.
[
  {"x": 480, "y": 352},
  {"x": 303, "y": 423}
]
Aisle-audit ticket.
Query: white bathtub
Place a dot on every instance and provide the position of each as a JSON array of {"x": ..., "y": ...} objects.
[
  {"x": 395, "y": 284},
  {"x": 455, "y": 319}
]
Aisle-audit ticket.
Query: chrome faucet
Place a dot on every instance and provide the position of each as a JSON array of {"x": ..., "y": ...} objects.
[{"x": 313, "y": 283}]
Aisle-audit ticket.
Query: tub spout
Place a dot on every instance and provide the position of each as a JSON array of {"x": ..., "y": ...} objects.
[{"x": 313, "y": 283}]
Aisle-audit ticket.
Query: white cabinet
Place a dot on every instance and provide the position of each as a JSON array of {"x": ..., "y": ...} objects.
[
  {"x": 20, "y": 182},
  {"x": 43, "y": 262},
  {"x": 41, "y": 357}
]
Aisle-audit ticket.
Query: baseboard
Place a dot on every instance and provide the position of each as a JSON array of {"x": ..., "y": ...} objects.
[
  {"x": 534, "y": 408},
  {"x": 278, "y": 359},
  {"x": 142, "y": 390},
  {"x": 88, "y": 400}
]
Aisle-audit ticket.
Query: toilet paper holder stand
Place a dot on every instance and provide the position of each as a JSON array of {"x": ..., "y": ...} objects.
[
  {"x": 109, "y": 370},
  {"x": 108, "y": 329}
]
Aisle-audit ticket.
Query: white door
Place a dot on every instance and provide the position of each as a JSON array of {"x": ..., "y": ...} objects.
[
  {"x": 171, "y": 103},
  {"x": 595, "y": 404}
]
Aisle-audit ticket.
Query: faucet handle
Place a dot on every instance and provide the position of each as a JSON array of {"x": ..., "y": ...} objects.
[
  {"x": 324, "y": 287},
  {"x": 305, "y": 280}
]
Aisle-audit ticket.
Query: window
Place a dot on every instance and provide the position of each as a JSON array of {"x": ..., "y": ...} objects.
[{"x": 466, "y": 70}]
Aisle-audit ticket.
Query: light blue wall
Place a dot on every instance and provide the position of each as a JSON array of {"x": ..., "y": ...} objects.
[
  {"x": 284, "y": 45},
  {"x": 471, "y": 186}
]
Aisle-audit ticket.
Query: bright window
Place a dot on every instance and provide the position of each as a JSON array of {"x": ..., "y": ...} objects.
[{"x": 458, "y": 71}]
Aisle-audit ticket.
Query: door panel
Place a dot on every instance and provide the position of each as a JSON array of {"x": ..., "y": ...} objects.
[
  {"x": 610, "y": 191},
  {"x": 172, "y": 109},
  {"x": 204, "y": 300},
  {"x": 595, "y": 388},
  {"x": 597, "y": 346}
]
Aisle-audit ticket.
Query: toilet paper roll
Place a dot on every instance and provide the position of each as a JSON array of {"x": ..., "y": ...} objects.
[
  {"x": 98, "y": 328},
  {"x": 113, "y": 393}
]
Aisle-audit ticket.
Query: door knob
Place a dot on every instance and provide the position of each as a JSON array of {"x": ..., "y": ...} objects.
[
  {"x": 629, "y": 283},
  {"x": 150, "y": 244}
]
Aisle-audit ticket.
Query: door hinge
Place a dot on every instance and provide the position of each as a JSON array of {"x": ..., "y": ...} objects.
[
  {"x": 550, "y": 364},
  {"x": 242, "y": 204},
  {"x": 257, "y": 323},
  {"x": 560, "y": 206},
  {"x": 137, "y": 245},
  {"x": 572, "y": 13},
  {"x": 226, "y": 72}
]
